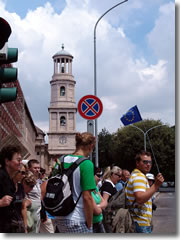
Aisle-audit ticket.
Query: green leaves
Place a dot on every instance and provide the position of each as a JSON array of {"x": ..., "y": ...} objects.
[{"x": 121, "y": 147}]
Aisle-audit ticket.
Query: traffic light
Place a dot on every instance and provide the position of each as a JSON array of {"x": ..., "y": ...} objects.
[{"x": 8, "y": 74}]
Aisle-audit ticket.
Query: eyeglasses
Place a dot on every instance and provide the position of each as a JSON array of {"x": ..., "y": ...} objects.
[
  {"x": 118, "y": 175},
  {"x": 147, "y": 161}
]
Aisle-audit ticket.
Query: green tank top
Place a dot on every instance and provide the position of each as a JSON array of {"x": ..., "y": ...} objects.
[{"x": 95, "y": 195}]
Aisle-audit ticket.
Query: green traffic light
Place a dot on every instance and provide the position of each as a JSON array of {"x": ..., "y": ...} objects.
[
  {"x": 8, "y": 75},
  {"x": 12, "y": 55},
  {"x": 8, "y": 94}
]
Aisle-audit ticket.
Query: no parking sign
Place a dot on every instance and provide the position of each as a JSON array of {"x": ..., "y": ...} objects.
[{"x": 90, "y": 107}]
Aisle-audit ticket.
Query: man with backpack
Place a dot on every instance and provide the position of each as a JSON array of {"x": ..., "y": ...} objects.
[
  {"x": 139, "y": 193},
  {"x": 79, "y": 220}
]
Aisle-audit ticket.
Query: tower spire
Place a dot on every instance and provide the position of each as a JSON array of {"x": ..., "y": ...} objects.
[{"x": 62, "y": 46}]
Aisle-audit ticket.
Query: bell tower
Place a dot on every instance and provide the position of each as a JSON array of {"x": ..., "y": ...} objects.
[{"x": 62, "y": 110}]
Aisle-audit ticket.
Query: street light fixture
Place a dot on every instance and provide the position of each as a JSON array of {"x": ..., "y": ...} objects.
[
  {"x": 95, "y": 86},
  {"x": 145, "y": 133}
]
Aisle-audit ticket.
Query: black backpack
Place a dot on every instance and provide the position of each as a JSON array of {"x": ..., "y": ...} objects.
[{"x": 58, "y": 200}]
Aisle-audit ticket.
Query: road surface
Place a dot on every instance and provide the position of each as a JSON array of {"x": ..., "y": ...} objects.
[{"x": 164, "y": 218}]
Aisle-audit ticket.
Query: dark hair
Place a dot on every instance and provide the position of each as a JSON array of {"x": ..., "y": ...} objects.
[
  {"x": 42, "y": 170},
  {"x": 142, "y": 152},
  {"x": 32, "y": 161},
  {"x": 84, "y": 139},
  {"x": 98, "y": 170},
  {"x": 8, "y": 152}
]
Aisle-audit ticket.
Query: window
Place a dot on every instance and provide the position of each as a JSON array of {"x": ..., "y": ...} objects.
[
  {"x": 62, "y": 91},
  {"x": 62, "y": 121}
]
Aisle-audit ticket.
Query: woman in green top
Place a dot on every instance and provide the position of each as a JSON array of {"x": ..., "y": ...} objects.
[{"x": 98, "y": 205}]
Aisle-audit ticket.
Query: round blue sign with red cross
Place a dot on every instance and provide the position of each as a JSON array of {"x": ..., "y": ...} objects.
[{"x": 90, "y": 107}]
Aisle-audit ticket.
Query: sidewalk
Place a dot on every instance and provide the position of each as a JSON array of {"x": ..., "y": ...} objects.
[{"x": 156, "y": 195}]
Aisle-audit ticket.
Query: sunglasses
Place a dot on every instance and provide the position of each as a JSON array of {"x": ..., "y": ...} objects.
[
  {"x": 22, "y": 172},
  {"x": 29, "y": 184},
  {"x": 118, "y": 175},
  {"x": 147, "y": 161}
]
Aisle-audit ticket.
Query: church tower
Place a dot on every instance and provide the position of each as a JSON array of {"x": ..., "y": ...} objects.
[{"x": 62, "y": 110}]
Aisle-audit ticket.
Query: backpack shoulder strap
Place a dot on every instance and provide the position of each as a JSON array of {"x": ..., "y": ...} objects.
[
  {"x": 76, "y": 164},
  {"x": 61, "y": 159}
]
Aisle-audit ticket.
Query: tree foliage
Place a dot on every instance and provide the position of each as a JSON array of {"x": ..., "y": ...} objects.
[{"x": 121, "y": 147}]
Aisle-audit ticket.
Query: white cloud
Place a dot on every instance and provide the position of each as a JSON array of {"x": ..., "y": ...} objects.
[
  {"x": 161, "y": 38},
  {"x": 108, "y": 104},
  {"x": 123, "y": 79},
  {"x": 152, "y": 78},
  {"x": 44, "y": 126}
]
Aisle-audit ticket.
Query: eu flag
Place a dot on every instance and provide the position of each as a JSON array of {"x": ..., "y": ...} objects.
[{"x": 131, "y": 116}]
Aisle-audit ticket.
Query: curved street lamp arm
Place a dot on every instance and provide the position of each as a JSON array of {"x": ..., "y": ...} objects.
[
  {"x": 138, "y": 128},
  {"x": 106, "y": 13},
  {"x": 154, "y": 127}
]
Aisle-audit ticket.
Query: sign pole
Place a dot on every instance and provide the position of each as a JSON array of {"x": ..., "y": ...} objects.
[
  {"x": 90, "y": 129},
  {"x": 90, "y": 107}
]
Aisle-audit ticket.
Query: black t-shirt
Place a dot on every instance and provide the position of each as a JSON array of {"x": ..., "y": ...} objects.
[
  {"x": 109, "y": 188},
  {"x": 19, "y": 196},
  {"x": 7, "y": 187}
]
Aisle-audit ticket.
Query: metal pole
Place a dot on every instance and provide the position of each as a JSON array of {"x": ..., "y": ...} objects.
[
  {"x": 95, "y": 85},
  {"x": 144, "y": 142},
  {"x": 143, "y": 133}
]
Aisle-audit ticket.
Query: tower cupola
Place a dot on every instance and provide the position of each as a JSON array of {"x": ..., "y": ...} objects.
[{"x": 63, "y": 62}]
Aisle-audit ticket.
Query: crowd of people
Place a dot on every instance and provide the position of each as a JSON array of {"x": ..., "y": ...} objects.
[{"x": 23, "y": 187}]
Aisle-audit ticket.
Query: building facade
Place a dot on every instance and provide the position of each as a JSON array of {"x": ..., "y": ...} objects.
[
  {"x": 17, "y": 128},
  {"x": 62, "y": 110}
]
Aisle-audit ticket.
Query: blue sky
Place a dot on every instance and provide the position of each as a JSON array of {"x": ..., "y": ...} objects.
[
  {"x": 22, "y": 7},
  {"x": 135, "y": 54}
]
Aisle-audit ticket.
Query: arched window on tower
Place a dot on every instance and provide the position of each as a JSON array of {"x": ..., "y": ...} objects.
[
  {"x": 62, "y": 91},
  {"x": 62, "y": 121}
]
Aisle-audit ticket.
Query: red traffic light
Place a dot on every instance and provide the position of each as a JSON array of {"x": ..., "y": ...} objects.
[{"x": 5, "y": 32}]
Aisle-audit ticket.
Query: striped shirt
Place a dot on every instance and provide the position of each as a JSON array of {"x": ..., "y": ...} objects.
[{"x": 141, "y": 213}]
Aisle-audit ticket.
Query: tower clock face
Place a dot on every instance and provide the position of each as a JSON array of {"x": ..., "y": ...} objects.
[{"x": 62, "y": 139}]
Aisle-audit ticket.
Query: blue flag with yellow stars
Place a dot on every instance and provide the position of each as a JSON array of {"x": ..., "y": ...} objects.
[{"x": 132, "y": 116}]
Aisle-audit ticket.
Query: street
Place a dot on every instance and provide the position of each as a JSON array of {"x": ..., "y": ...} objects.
[{"x": 164, "y": 218}]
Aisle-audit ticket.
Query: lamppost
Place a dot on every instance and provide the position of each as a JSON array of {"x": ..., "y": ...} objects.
[
  {"x": 145, "y": 133},
  {"x": 95, "y": 78}
]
